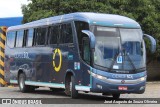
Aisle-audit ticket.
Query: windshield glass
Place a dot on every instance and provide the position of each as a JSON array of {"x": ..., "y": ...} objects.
[
  {"x": 119, "y": 49},
  {"x": 132, "y": 49}
]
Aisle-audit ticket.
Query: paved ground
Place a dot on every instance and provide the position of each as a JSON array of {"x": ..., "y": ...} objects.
[{"x": 152, "y": 91}]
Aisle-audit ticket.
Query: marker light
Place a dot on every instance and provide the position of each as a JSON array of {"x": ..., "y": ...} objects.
[{"x": 97, "y": 76}]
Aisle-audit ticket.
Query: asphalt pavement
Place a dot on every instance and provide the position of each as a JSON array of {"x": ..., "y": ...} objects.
[{"x": 88, "y": 99}]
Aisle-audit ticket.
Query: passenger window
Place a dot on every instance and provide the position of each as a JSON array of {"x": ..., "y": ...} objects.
[
  {"x": 25, "y": 38},
  {"x": 11, "y": 39},
  {"x": 66, "y": 33},
  {"x": 30, "y": 33},
  {"x": 19, "y": 38},
  {"x": 41, "y": 36},
  {"x": 53, "y": 34}
]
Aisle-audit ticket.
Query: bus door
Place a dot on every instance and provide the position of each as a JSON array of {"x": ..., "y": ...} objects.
[
  {"x": 86, "y": 58},
  {"x": 85, "y": 50}
]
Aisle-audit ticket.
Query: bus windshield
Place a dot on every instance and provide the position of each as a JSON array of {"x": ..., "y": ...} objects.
[{"x": 119, "y": 49}]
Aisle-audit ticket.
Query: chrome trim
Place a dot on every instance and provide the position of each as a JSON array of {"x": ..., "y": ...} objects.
[
  {"x": 115, "y": 81},
  {"x": 118, "y": 81},
  {"x": 44, "y": 84}
]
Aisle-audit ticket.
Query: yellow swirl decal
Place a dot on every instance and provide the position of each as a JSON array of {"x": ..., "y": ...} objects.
[{"x": 57, "y": 68}]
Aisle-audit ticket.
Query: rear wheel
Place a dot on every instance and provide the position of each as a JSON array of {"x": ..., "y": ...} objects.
[
  {"x": 116, "y": 96},
  {"x": 22, "y": 86}
]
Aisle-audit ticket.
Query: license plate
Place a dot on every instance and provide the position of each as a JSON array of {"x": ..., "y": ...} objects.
[{"x": 122, "y": 88}]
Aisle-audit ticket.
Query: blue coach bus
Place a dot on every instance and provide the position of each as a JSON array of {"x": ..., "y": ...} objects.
[{"x": 83, "y": 51}]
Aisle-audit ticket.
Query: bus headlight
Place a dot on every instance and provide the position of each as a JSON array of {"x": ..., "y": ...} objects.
[
  {"x": 97, "y": 76},
  {"x": 101, "y": 77},
  {"x": 143, "y": 78}
]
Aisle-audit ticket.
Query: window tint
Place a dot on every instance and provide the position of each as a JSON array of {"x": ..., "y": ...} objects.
[
  {"x": 11, "y": 39},
  {"x": 54, "y": 34},
  {"x": 41, "y": 36},
  {"x": 30, "y": 33},
  {"x": 79, "y": 27},
  {"x": 25, "y": 37},
  {"x": 19, "y": 38},
  {"x": 66, "y": 33},
  {"x": 86, "y": 50},
  {"x": 61, "y": 34}
]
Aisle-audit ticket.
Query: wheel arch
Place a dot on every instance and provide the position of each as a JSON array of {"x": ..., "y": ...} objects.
[
  {"x": 19, "y": 72},
  {"x": 69, "y": 73}
]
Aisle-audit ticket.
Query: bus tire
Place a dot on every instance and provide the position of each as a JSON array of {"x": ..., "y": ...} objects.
[
  {"x": 116, "y": 96},
  {"x": 67, "y": 85},
  {"x": 74, "y": 92},
  {"x": 21, "y": 82}
]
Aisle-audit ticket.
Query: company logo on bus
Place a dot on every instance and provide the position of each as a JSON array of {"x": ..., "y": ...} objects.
[
  {"x": 57, "y": 68},
  {"x": 123, "y": 81},
  {"x": 21, "y": 55},
  {"x": 122, "y": 76}
]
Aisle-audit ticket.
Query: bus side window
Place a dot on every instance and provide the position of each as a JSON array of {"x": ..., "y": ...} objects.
[
  {"x": 24, "y": 38},
  {"x": 53, "y": 34},
  {"x": 29, "y": 40},
  {"x": 41, "y": 36},
  {"x": 11, "y": 39},
  {"x": 19, "y": 38},
  {"x": 66, "y": 33}
]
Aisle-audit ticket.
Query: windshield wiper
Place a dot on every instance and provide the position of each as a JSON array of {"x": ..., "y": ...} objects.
[
  {"x": 115, "y": 57},
  {"x": 130, "y": 60}
]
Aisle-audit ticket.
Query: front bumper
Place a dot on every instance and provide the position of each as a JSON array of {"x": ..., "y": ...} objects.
[{"x": 101, "y": 86}]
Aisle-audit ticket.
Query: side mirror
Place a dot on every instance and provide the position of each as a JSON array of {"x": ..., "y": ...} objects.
[
  {"x": 91, "y": 37},
  {"x": 153, "y": 42}
]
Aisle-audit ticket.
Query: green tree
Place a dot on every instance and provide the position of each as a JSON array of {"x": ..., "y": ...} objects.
[{"x": 143, "y": 11}]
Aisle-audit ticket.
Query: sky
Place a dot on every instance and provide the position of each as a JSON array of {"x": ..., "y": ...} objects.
[{"x": 11, "y": 8}]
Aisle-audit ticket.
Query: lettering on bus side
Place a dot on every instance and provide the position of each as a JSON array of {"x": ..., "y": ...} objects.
[{"x": 21, "y": 55}]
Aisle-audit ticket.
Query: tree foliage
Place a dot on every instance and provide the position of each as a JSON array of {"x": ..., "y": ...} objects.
[{"x": 146, "y": 12}]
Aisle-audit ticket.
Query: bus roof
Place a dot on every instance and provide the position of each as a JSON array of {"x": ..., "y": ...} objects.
[{"x": 101, "y": 19}]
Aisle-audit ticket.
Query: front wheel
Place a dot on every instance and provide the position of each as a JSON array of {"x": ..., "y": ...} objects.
[
  {"x": 74, "y": 92},
  {"x": 70, "y": 87}
]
